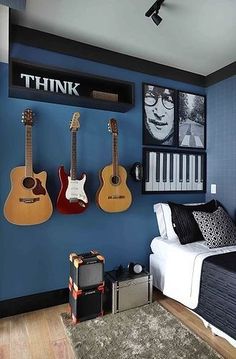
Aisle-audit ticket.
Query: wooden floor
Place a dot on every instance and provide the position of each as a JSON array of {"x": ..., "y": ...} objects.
[{"x": 40, "y": 334}]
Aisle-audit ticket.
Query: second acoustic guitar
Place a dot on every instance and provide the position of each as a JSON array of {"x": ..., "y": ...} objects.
[{"x": 113, "y": 194}]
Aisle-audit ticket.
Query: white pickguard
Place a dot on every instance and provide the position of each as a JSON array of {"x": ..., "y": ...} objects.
[{"x": 75, "y": 189}]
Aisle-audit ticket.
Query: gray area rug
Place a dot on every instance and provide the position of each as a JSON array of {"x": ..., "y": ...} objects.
[{"x": 148, "y": 332}]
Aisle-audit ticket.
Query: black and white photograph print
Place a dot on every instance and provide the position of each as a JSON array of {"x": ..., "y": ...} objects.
[
  {"x": 191, "y": 120},
  {"x": 159, "y": 124}
]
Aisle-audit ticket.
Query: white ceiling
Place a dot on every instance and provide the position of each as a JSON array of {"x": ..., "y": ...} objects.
[{"x": 195, "y": 35}]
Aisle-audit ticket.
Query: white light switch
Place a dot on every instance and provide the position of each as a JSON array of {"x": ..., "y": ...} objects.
[{"x": 213, "y": 188}]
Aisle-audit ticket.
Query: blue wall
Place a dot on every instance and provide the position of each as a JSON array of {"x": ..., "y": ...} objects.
[
  {"x": 34, "y": 259},
  {"x": 221, "y": 112}
]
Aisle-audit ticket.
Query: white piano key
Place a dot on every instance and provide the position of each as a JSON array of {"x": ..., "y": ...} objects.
[
  {"x": 200, "y": 183},
  {"x": 167, "y": 183},
  {"x": 155, "y": 186},
  {"x": 177, "y": 181},
  {"x": 161, "y": 183},
  {"x": 192, "y": 173},
  {"x": 202, "y": 171},
  {"x": 184, "y": 183},
  {"x": 188, "y": 170},
  {"x": 196, "y": 179},
  {"x": 196, "y": 174},
  {"x": 151, "y": 165},
  {"x": 173, "y": 183}
]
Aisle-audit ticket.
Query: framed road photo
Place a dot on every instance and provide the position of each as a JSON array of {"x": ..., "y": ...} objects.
[
  {"x": 159, "y": 116},
  {"x": 191, "y": 120}
]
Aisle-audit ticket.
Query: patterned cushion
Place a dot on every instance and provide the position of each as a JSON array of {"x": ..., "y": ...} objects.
[{"x": 217, "y": 228}]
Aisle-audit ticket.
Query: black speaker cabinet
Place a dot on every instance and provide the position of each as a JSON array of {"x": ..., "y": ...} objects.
[
  {"x": 86, "y": 270},
  {"x": 86, "y": 304}
]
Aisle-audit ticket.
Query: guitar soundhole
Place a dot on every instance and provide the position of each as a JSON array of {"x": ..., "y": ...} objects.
[
  {"x": 115, "y": 179},
  {"x": 28, "y": 182}
]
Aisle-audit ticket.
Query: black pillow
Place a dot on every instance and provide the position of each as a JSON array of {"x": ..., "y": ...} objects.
[{"x": 184, "y": 223}]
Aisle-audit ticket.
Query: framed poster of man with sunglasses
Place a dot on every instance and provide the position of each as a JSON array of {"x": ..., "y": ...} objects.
[{"x": 159, "y": 116}]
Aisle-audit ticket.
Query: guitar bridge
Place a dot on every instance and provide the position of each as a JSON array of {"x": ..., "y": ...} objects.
[
  {"x": 73, "y": 200},
  {"x": 29, "y": 200},
  {"x": 76, "y": 200}
]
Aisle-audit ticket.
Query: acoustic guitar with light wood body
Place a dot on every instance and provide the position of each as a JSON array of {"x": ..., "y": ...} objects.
[
  {"x": 113, "y": 194},
  {"x": 72, "y": 198},
  {"x": 28, "y": 202}
]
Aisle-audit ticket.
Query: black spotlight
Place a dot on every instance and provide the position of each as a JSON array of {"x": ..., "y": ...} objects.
[
  {"x": 156, "y": 18},
  {"x": 153, "y": 12}
]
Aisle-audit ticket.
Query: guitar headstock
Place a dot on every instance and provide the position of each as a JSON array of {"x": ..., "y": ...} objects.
[
  {"x": 112, "y": 126},
  {"x": 74, "y": 123},
  {"x": 27, "y": 117}
]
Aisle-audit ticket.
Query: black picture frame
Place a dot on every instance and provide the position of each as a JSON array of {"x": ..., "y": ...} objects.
[
  {"x": 173, "y": 171},
  {"x": 160, "y": 126},
  {"x": 191, "y": 120}
]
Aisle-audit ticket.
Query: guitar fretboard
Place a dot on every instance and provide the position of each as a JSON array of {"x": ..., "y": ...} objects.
[
  {"x": 115, "y": 154},
  {"x": 28, "y": 151},
  {"x": 73, "y": 156}
]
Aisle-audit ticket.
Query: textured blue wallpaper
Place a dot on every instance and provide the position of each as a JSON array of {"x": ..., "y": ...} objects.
[
  {"x": 34, "y": 259},
  {"x": 221, "y": 134}
]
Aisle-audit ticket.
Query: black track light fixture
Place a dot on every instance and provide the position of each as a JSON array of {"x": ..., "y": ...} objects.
[{"x": 153, "y": 12}]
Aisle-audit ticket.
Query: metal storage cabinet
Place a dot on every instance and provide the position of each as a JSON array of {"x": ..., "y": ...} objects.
[{"x": 129, "y": 291}]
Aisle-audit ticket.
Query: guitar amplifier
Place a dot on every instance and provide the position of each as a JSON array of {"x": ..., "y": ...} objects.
[
  {"x": 86, "y": 270},
  {"x": 86, "y": 304}
]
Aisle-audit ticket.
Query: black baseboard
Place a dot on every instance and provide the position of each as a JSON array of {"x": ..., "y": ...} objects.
[{"x": 29, "y": 303}]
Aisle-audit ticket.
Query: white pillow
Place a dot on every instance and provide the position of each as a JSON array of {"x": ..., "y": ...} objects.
[
  {"x": 163, "y": 214},
  {"x": 160, "y": 246}
]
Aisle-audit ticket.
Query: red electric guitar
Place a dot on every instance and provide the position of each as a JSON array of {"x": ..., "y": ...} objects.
[{"x": 72, "y": 197}]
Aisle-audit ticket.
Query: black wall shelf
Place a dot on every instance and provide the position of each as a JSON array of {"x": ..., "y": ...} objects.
[{"x": 24, "y": 86}]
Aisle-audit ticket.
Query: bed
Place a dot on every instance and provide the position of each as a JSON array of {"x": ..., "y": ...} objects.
[{"x": 201, "y": 278}]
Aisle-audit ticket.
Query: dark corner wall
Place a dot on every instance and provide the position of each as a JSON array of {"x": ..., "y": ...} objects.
[
  {"x": 221, "y": 152},
  {"x": 34, "y": 259}
]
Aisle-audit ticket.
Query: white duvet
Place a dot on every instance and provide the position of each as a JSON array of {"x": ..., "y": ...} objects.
[{"x": 176, "y": 268}]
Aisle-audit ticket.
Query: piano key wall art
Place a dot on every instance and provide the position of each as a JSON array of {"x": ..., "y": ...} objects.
[{"x": 173, "y": 171}]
